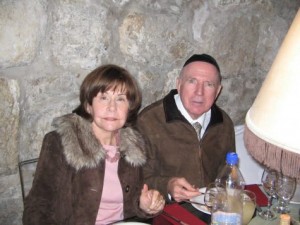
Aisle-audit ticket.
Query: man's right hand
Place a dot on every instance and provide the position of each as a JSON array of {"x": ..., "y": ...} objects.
[{"x": 180, "y": 189}]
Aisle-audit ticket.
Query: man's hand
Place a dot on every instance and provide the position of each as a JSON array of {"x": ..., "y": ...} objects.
[{"x": 180, "y": 189}]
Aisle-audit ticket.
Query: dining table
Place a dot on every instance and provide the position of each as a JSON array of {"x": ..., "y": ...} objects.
[
  {"x": 294, "y": 213},
  {"x": 180, "y": 214},
  {"x": 185, "y": 213}
]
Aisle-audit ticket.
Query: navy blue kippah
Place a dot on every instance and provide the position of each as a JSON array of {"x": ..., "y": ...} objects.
[{"x": 202, "y": 58}]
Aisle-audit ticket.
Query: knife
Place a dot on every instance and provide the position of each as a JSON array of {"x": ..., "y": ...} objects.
[
  {"x": 196, "y": 203},
  {"x": 174, "y": 218}
]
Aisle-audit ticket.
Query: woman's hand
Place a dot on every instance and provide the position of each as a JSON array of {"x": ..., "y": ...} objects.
[{"x": 151, "y": 201}]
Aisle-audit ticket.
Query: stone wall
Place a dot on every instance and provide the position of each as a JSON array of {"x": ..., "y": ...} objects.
[{"x": 47, "y": 48}]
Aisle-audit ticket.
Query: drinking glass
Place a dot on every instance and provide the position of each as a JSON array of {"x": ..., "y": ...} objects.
[
  {"x": 226, "y": 205},
  {"x": 249, "y": 203},
  {"x": 285, "y": 189},
  {"x": 214, "y": 192},
  {"x": 269, "y": 179}
]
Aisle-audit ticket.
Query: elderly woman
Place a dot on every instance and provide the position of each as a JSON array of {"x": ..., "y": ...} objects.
[{"x": 90, "y": 167}]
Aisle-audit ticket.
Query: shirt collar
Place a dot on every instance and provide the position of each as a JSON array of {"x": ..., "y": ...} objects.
[{"x": 203, "y": 119}]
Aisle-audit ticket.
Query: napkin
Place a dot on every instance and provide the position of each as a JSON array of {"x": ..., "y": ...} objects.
[
  {"x": 179, "y": 213},
  {"x": 261, "y": 198}
]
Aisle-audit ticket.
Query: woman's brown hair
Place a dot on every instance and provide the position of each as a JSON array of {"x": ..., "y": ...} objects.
[{"x": 109, "y": 77}]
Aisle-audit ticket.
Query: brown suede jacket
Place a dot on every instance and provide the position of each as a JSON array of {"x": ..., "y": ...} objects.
[
  {"x": 174, "y": 149},
  {"x": 68, "y": 183}
]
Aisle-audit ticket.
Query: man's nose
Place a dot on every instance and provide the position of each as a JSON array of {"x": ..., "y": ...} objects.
[{"x": 199, "y": 88}]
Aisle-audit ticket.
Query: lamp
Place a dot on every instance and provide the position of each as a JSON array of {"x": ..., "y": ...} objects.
[{"x": 272, "y": 130}]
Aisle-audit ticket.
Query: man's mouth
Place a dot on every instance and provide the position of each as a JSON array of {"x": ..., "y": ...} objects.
[
  {"x": 110, "y": 118},
  {"x": 197, "y": 102}
]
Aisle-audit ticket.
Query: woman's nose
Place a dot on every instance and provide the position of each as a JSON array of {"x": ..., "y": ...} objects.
[{"x": 111, "y": 105}]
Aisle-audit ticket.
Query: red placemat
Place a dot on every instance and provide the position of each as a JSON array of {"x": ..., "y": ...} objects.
[
  {"x": 261, "y": 198},
  {"x": 179, "y": 213}
]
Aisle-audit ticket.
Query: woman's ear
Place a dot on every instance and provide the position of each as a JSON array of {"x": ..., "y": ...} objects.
[{"x": 88, "y": 108}]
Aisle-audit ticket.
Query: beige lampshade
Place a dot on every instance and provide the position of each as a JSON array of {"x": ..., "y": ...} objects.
[{"x": 272, "y": 133}]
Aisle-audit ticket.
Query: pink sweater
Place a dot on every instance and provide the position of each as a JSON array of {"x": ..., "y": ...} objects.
[{"x": 111, "y": 205}]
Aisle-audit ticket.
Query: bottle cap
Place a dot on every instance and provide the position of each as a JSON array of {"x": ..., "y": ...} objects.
[
  {"x": 285, "y": 217},
  {"x": 232, "y": 158}
]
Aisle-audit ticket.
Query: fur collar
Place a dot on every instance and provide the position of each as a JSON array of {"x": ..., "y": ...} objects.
[{"x": 83, "y": 150}]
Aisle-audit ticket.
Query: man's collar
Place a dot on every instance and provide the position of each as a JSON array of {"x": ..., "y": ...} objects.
[
  {"x": 170, "y": 108},
  {"x": 184, "y": 112},
  {"x": 172, "y": 112}
]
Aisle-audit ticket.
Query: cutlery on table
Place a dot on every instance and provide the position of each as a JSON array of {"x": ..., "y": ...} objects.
[
  {"x": 174, "y": 218},
  {"x": 196, "y": 203}
]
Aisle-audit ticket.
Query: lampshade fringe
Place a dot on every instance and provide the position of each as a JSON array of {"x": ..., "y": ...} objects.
[{"x": 272, "y": 156}]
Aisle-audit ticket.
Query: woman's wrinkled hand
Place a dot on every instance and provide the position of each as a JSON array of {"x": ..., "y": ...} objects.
[{"x": 151, "y": 201}]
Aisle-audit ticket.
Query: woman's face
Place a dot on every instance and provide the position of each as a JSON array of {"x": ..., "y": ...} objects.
[{"x": 109, "y": 110}]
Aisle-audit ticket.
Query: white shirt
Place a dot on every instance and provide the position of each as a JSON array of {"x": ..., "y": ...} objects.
[{"x": 203, "y": 119}]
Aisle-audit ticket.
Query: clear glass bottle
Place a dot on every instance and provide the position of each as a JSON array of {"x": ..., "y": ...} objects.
[{"x": 231, "y": 178}]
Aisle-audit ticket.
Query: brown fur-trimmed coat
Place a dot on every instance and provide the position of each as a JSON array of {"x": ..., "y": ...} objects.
[{"x": 68, "y": 183}]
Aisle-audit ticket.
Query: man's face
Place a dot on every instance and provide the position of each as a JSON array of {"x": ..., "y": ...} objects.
[{"x": 198, "y": 86}]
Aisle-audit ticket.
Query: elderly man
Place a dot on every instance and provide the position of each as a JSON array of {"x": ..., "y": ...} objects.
[{"x": 182, "y": 158}]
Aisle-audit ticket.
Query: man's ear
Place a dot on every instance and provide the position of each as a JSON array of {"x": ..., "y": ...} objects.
[
  {"x": 219, "y": 91},
  {"x": 178, "y": 81}
]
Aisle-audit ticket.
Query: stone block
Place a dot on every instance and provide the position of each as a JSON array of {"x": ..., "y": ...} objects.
[{"x": 9, "y": 129}]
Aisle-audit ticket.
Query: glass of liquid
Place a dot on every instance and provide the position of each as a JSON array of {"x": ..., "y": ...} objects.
[{"x": 249, "y": 204}]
